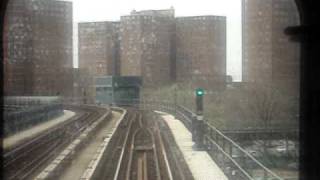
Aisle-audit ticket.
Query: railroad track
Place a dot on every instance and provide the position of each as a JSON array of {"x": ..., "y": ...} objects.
[
  {"x": 143, "y": 154},
  {"x": 143, "y": 159},
  {"x": 138, "y": 150},
  {"x": 21, "y": 162}
]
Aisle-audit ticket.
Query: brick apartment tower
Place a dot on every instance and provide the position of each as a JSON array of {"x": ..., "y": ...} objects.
[
  {"x": 146, "y": 45},
  {"x": 38, "y": 45},
  {"x": 201, "y": 51},
  {"x": 99, "y": 47},
  {"x": 268, "y": 55}
]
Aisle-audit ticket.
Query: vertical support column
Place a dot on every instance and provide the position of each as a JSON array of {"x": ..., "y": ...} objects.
[
  {"x": 230, "y": 150},
  {"x": 193, "y": 127},
  {"x": 175, "y": 101},
  {"x": 199, "y": 125}
]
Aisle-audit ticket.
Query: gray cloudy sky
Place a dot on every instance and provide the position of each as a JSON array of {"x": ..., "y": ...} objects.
[{"x": 102, "y": 10}]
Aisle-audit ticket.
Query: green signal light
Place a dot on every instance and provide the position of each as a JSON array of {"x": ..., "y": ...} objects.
[{"x": 199, "y": 92}]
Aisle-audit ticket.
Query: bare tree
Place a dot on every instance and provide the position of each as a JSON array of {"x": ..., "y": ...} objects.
[{"x": 263, "y": 103}]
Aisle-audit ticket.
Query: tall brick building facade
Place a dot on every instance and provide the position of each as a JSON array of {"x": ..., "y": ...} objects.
[
  {"x": 98, "y": 47},
  {"x": 17, "y": 51},
  {"x": 268, "y": 54},
  {"x": 83, "y": 86},
  {"x": 38, "y": 45},
  {"x": 146, "y": 46},
  {"x": 270, "y": 59},
  {"x": 201, "y": 50},
  {"x": 158, "y": 47}
]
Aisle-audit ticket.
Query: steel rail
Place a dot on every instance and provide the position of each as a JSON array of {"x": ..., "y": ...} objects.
[
  {"x": 165, "y": 154},
  {"x": 37, "y": 138},
  {"x": 131, "y": 155},
  {"x": 24, "y": 172},
  {"x": 34, "y": 143},
  {"x": 30, "y": 167},
  {"x": 155, "y": 156},
  {"x": 131, "y": 149},
  {"x": 47, "y": 153},
  {"x": 116, "y": 175}
]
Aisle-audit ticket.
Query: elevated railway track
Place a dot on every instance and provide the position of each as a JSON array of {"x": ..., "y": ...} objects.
[
  {"x": 140, "y": 148},
  {"x": 25, "y": 159},
  {"x": 138, "y": 152}
]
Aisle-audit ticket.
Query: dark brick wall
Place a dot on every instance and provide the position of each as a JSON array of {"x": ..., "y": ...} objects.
[
  {"x": 268, "y": 54},
  {"x": 98, "y": 47},
  {"x": 146, "y": 44},
  {"x": 201, "y": 50},
  {"x": 38, "y": 46}
]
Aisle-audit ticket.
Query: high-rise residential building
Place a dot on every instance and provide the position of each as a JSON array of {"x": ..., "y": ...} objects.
[
  {"x": 99, "y": 47},
  {"x": 146, "y": 45},
  {"x": 83, "y": 86},
  {"x": 17, "y": 48},
  {"x": 38, "y": 45},
  {"x": 268, "y": 55},
  {"x": 201, "y": 51},
  {"x": 158, "y": 47}
]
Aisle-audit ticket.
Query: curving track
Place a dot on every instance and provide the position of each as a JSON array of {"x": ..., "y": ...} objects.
[
  {"x": 24, "y": 160},
  {"x": 138, "y": 152},
  {"x": 143, "y": 158}
]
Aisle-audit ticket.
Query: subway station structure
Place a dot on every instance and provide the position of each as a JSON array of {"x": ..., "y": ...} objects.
[{"x": 117, "y": 89}]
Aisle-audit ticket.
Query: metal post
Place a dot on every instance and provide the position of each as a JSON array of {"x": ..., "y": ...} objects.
[
  {"x": 230, "y": 150},
  {"x": 265, "y": 174},
  {"x": 175, "y": 101},
  {"x": 199, "y": 121},
  {"x": 193, "y": 128}
]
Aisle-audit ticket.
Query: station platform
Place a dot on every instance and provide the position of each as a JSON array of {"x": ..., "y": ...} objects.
[
  {"x": 34, "y": 131},
  {"x": 200, "y": 163}
]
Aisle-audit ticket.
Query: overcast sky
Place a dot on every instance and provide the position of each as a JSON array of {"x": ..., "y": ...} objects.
[{"x": 107, "y": 10}]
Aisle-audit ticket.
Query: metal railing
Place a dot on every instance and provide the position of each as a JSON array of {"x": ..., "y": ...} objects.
[{"x": 235, "y": 161}]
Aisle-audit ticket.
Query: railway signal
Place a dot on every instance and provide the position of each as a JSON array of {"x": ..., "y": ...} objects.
[
  {"x": 199, "y": 92},
  {"x": 198, "y": 121},
  {"x": 199, "y": 103}
]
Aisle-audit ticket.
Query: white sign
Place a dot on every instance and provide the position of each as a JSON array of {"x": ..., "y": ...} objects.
[{"x": 200, "y": 118}]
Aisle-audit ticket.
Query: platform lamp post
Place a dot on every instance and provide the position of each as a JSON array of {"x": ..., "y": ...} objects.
[{"x": 199, "y": 118}]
